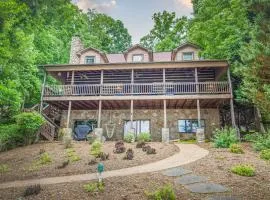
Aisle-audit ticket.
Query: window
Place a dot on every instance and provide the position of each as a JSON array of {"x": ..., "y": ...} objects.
[
  {"x": 189, "y": 125},
  {"x": 90, "y": 59},
  {"x": 188, "y": 56},
  {"x": 137, "y": 58},
  {"x": 140, "y": 126}
]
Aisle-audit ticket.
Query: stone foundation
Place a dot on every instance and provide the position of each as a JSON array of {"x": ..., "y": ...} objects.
[{"x": 211, "y": 117}]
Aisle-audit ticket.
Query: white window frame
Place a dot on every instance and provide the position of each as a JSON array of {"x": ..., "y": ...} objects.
[
  {"x": 137, "y": 55},
  {"x": 87, "y": 57},
  {"x": 184, "y": 53}
]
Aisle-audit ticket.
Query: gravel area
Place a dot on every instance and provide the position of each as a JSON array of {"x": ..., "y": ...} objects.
[{"x": 20, "y": 161}]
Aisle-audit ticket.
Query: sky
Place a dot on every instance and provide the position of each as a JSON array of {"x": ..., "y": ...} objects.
[{"x": 136, "y": 14}]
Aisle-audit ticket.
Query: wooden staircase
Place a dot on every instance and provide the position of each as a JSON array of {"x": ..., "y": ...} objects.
[{"x": 50, "y": 129}]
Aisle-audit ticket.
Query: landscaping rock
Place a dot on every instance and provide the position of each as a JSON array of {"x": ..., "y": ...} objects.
[
  {"x": 189, "y": 179},
  {"x": 177, "y": 171},
  {"x": 206, "y": 188}
]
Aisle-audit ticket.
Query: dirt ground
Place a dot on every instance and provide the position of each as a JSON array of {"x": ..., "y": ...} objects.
[
  {"x": 216, "y": 166},
  {"x": 20, "y": 161}
]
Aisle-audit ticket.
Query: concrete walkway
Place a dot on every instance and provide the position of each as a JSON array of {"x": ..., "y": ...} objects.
[{"x": 188, "y": 153}]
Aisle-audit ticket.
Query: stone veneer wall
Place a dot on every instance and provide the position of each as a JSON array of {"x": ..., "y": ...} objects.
[{"x": 211, "y": 117}]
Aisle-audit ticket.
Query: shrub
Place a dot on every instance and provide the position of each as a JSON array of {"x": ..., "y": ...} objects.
[
  {"x": 44, "y": 159},
  {"x": 165, "y": 192},
  {"x": 261, "y": 142},
  {"x": 63, "y": 165},
  {"x": 96, "y": 148},
  {"x": 129, "y": 138},
  {"x": 129, "y": 154},
  {"x": 4, "y": 168},
  {"x": 104, "y": 156},
  {"x": 72, "y": 156},
  {"x": 146, "y": 147},
  {"x": 119, "y": 147},
  {"x": 140, "y": 144},
  {"x": 29, "y": 123},
  {"x": 144, "y": 137},
  {"x": 10, "y": 137},
  {"x": 94, "y": 187},
  {"x": 224, "y": 137},
  {"x": 32, "y": 190},
  {"x": 243, "y": 170},
  {"x": 236, "y": 148},
  {"x": 265, "y": 154},
  {"x": 151, "y": 151}
]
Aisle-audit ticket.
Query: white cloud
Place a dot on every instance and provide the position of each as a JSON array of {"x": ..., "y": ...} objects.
[
  {"x": 186, "y": 3},
  {"x": 103, "y": 6}
]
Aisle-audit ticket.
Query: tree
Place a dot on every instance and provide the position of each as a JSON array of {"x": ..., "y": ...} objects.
[
  {"x": 113, "y": 37},
  {"x": 168, "y": 32}
]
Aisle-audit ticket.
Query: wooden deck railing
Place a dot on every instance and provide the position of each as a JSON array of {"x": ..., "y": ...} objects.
[{"x": 221, "y": 87}]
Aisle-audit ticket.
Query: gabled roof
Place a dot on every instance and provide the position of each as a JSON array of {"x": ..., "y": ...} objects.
[
  {"x": 104, "y": 56},
  {"x": 138, "y": 46},
  {"x": 183, "y": 46}
]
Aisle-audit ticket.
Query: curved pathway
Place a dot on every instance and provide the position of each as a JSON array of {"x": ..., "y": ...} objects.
[{"x": 188, "y": 153}]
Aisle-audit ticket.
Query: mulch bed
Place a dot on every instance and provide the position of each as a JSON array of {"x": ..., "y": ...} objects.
[{"x": 21, "y": 159}]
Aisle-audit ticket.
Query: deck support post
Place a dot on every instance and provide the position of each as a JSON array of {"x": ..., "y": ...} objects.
[
  {"x": 165, "y": 131},
  {"x": 200, "y": 135},
  {"x": 99, "y": 113},
  {"x": 42, "y": 92},
  {"x": 232, "y": 106},
  {"x": 99, "y": 131},
  {"x": 68, "y": 114}
]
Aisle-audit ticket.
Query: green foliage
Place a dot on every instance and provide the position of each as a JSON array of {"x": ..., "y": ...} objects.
[
  {"x": 72, "y": 155},
  {"x": 265, "y": 154},
  {"x": 168, "y": 32},
  {"x": 189, "y": 141},
  {"x": 44, "y": 159},
  {"x": 243, "y": 170},
  {"x": 144, "y": 137},
  {"x": 224, "y": 137},
  {"x": 10, "y": 137},
  {"x": 236, "y": 148},
  {"x": 94, "y": 187},
  {"x": 29, "y": 123},
  {"x": 96, "y": 148},
  {"x": 163, "y": 193},
  {"x": 4, "y": 168},
  {"x": 260, "y": 141},
  {"x": 129, "y": 138}
]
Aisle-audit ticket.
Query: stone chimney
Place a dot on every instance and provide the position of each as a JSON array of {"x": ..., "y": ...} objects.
[{"x": 76, "y": 45}]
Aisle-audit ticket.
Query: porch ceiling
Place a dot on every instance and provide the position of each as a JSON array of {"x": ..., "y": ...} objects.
[{"x": 139, "y": 104}]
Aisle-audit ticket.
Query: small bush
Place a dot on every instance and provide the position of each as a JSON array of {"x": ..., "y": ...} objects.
[
  {"x": 151, "y": 151},
  {"x": 129, "y": 138},
  {"x": 243, "y": 170},
  {"x": 10, "y": 137},
  {"x": 96, "y": 148},
  {"x": 94, "y": 187},
  {"x": 236, "y": 148},
  {"x": 144, "y": 137},
  {"x": 44, "y": 159},
  {"x": 32, "y": 190},
  {"x": 261, "y": 141},
  {"x": 72, "y": 155},
  {"x": 140, "y": 144},
  {"x": 265, "y": 154},
  {"x": 4, "y": 168},
  {"x": 164, "y": 193},
  {"x": 129, "y": 154},
  {"x": 103, "y": 156},
  {"x": 224, "y": 137},
  {"x": 63, "y": 165},
  {"x": 119, "y": 147},
  {"x": 146, "y": 147}
]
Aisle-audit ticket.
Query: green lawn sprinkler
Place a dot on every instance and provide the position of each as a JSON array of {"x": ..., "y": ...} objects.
[{"x": 100, "y": 169}]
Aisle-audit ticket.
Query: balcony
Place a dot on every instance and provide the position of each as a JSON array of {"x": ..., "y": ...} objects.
[{"x": 176, "y": 88}]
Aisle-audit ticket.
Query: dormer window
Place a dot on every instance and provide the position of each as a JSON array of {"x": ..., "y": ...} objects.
[
  {"x": 90, "y": 59},
  {"x": 188, "y": 55},
  {"x": 137, "y": 58}
]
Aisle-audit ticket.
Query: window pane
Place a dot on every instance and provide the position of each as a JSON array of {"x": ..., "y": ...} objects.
[
  {"x": 89, "y": 59},
  {"x": 181, "y": 126},
  {"x": 194, "y": 126},
  {"x": 127, "y": 126},
  {"x": 188, "y": 126},
  {"x": 188, "y": 56},
  {"x": 145, "y": 126},
  {"x": 137, "y": 58}
]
